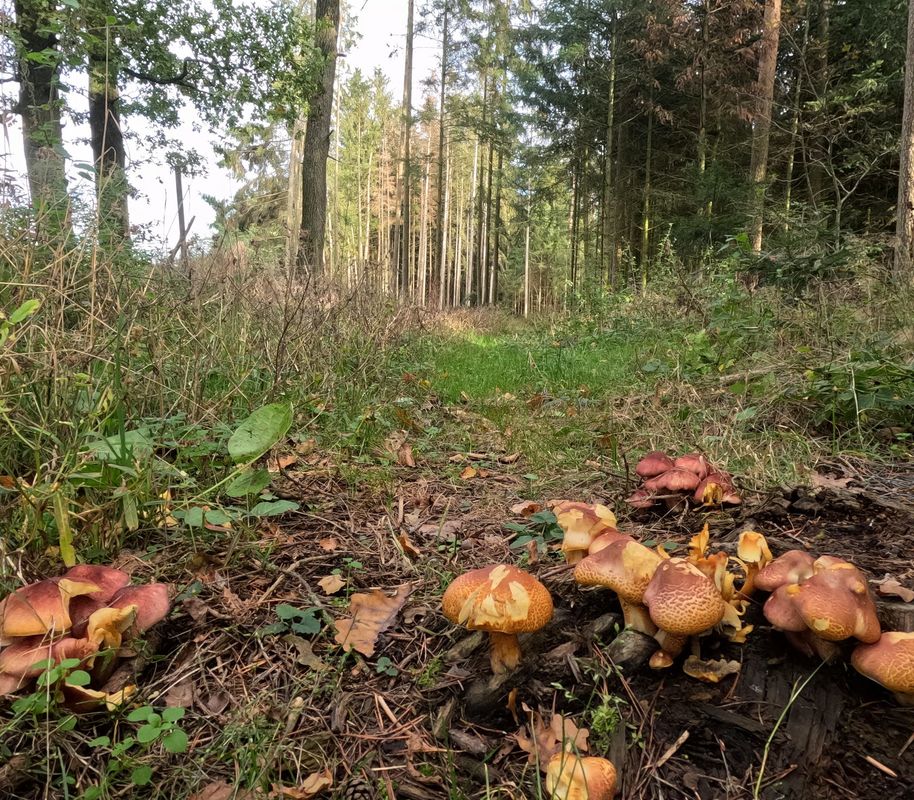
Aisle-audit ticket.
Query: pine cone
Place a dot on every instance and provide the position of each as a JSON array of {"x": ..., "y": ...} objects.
[{"x": 357, "y": 788}]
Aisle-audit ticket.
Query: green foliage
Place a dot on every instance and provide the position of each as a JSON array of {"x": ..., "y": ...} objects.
[{"x": 540, "y": 528}]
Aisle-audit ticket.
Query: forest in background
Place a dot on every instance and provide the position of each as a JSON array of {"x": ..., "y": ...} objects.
[{"x": 560, "y": 149}]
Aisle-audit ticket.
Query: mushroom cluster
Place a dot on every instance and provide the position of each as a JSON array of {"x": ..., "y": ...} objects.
[
  {"x": 87, "y": 614},
  {"x": 677, "y": 481}
]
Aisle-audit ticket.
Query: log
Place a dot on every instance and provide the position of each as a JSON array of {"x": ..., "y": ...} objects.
[{"x": 631, "y": 650}]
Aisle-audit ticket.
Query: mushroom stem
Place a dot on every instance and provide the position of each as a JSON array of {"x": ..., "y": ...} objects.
[
  {"x": 574, "y": 556},
  {"x": 748, "y": 586},
  {"x": 636, "y": 616},
  {"x": 904, "y": 698},
  {"x": 812, "y": 646},
  {"x": 504, "y": 652},
  {"x": 671, "y": 645}
]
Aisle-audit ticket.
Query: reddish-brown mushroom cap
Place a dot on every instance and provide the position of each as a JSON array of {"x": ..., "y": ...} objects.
[
  {"x": 791, "y": 567},
  {"x": 40, "y": 608},
  {"x": 608, "y": 537},
  {"x": 836, "y": 604},
  {"x": 572, "y": 777},
  {"x": 20, "y": 658},
  {"x": 695, "y": 463},
  {"x": 716, "y": 489},
  {"x": 640, "y": 498},
  {"x": 780, "y": 611},
  {"x": 108, "y": 579},
  {"x": 683, "y": 600},
  {"x": 654, "y": 463},
  {"x": 151, "y": 601},
  {"x": 503, "y": 601},
  {"x": 890, "y": 662},
  {"x": 673, "y": 480}
]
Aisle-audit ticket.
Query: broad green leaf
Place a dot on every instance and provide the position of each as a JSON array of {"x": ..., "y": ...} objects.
[
  {"x": 140, "y": 714},
  {"x": 259, "y": 432},
  {"x": 79, "y": 677},
  {"x": 24, "y": 311},
  {"x": 137, "y": 442},
  {"x": 285, "y": 611},
  {"x": 172, "y": 714},
  {"x": 175, "y": 741},
  {"x": 273, "y": 508},
  {"x": 251, "y": 481},
  {"x": 141, "y": 776},
  {"x": 148, "y": 733},
  {"x": 99, "y": 741}
]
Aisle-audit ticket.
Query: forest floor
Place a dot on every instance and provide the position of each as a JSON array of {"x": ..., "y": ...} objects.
[{"x": 486, "y": 418}]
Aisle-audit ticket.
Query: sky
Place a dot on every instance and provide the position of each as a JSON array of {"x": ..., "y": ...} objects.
[{"x": 381, "y": 28}]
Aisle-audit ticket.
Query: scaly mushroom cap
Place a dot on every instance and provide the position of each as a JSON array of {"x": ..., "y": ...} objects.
[
  {"x": 673, "y": 480},
  {"x": 499, "y": 599},
  {"x": 695, "y": 463},
  {"x": 151, "y": 601},
  {"x": 108, "y": 579},
  {"x": 626, "y": 567},
  {"x": 20, "y": 658},
  {"x": 682, "y": 600},
  {"x": 780, "y": 611},
  {"x": 793, "y": 566},
  {"x": 654, "y": 463},
  {"x": 836, "y": 604},
  {"x": 570, "y": 777},
  {"x": 581, "y": 523},
  {"x": 41, "y": 607},
  {"x": 889, "y": 661},
  {"x": 608, "y": 537}
]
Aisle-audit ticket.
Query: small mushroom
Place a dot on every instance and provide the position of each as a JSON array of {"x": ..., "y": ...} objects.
[
  {"x": 626, "y": 567},
  {"x": 695, "y": 463},
  {"x": 716, "y": 489},
  {"x": 581, "y": 523},
  {"x": 82, "y": 699},
  {"x": 107, "y": 579},
  {"x": 791, "y": 567},
  {"x": 503, "y": 601},
  {"x": 673, "y": 480},
  {"x": 754, "y": 555},
  {"x": 654, "y": 463},
  {"x": 572, "y": 777},
  {"x": 890, "y": 662},
  {"x": 683, "y": 602},
  {"x": 18, "y": 661},
  {"x": 640, "y": 498},
  {"x": 151, "y": 602}
]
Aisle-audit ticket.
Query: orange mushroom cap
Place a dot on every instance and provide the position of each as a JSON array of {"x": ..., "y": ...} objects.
[
  {"x": 626, "y": 567},
  {"x": 571, "y": 777},
  {"x": 836, "y": 604},
  {"x": 654, "y": 463},
  {"x": 890, "y": 662},
  {"x": 793, "y": 566},
  {"x": 682, "y": 600},
  {"x": 780, "y": 611},
  {"x": 608, "y": 537},
  {"x": 581, "y": 523},
  {"x": 41, "y": 607}
]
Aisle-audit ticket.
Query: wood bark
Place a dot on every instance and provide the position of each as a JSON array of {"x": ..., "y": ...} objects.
[
  {"x": 795, "y": 119},
  {"x": 904, "y": 224},
  {"x": 39, "y": 105},
  {"x": 442, "y": 159},
  {"x": 317, "y": 144},
  {"x": 608, "y": 246},
  {"x": 405, "y": 248},
  {"x": 646, "y": 199},
  {"x": 496, "y": 239},
  {"x": 761, "y": 129},
  {"x": 527, "y": 252}
]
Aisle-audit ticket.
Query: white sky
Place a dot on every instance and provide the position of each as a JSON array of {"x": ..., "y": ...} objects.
[{"x": 382, "y": 28}]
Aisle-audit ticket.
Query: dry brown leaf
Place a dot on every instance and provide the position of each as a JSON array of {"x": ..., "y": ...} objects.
[
  {"x": 314, "y": 784},
  {"x": 214, "y": 703},
  {"x": 889, "y": 587},
  {"x": 820, "y": 481},
  {"x": 306, "y": 448},
  {"x": 328, "y": 545},
  {"x": 544, "y": 741},
  {"x": 306, "y": 655},
  {"x": 709, "y": 671},
  {"x": 512, "y": 458},
  {"x": 331, "y": 584},
  {"x": 196, "y": 609},
  {"x": 512, "y": 704},
  {"x": 526, "y": 508},
  {"x": 220, "y": 790},
  {"x": 371, "y": 615},
  {"x": 280, "y": 461},
  {"x": 446, "y": 531},
  {"x": 408, "y": 547},
  {"x": 233, "y": 602},
  {"x": 181, "y": 695},
  {"x": 405, "y": 456},
  {"x": 468, "y": 473},
  {"x": 7, "y": 481}
]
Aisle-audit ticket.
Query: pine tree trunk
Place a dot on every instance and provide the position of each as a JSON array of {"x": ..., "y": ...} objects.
[
  {"x": 469, "y": 267},
  {"x": 422, "y": 259},
  {"x": 496, "y": 244},
  {"x": 761, "y": 131},
  {"x": 904, "y": 225},
  {"x": 486, "y": 233},
  {"x": 527, "y": 252},
  {"x": 608, "y": 246},
  {"x": 294, "y": 193},
  {"x": 820, "y": 73},
  {"x": 646, "y": 200},
  {"x": 442, "y": 159},
  {"x": 39, "y": 104},
  {"x": 795, "y": 118},
  {"x": 317, "y": 145},
  {"x": 406, "y": 141}
]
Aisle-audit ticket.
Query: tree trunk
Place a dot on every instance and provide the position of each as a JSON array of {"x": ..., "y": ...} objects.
[
  {"x": 795, "y": 119},
  {"x": 479, "y": 259},
  {"x": 442, "y": 159},
  {"x": 38, "y": 72},
  {"x": 422, "y": 259},
  {"x": 317, "y": 144},
  {"x": 496, "y": 244},
  {"x": 486, "y": 232},
  {"x": 471, "y": 233},
  {"x": 646, "y": 200},
  {"x": 527, "y": 252},
  {"x": 294, "y": 194},
  {"x": 819, "y": 69},
  {"x": 407, "y": 122},
  {"x": 904, "y": 225},
  {"x": 608, "y": 246},
  {"x": 761, "y": 130}
]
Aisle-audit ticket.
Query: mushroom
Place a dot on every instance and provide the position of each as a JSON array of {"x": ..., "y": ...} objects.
[
  {"x": 582, "y": 523},
  {"x": 150, "y": 601},
  {"x": 890, "y": 662},
  {"x": 503, "y": 601},
  {"x": 683, "y": 602},
  {"x": 19, "y": 662},
  {"x": 640, "y": 498},
  {"x": 608, "y": 537},
  {"x": 791, "y": 567},
  {"x": 716, "y": 489},
  {"x": 572, "y": 777},
  {"x": 41, "y": 607},
  {"x": 754, "y": 555},
  {"x": 654, "y": 463},
  {"x": 695, "y": 463},
  {"x": 626, "y": 567},
  {"x": 107, "y": 579},
  {"x": 81, "y": 699},
  {"x": 673, "y": 480}
]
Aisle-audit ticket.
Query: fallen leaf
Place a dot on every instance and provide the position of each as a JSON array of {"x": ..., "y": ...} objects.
[
  {"x": 220, "y": 790},
  {"x": 306, "y": 447},
  {"x": 446, "y": 531},
  {"x": 280, "y": 461},
  {"x": 196, "y": 609},
  {"x": 408, "y": 547},
  {"x": 509, "y": 459},
  {"x": 329, "y": 545},
  {"x": 533, "y": 553},
  {"x": 541, "y": 742},
  {"x": 314, "y": 784},
  {"x": 7, "y": 481},
  {"x": 526, "y": 508},
  {"x": 371, "y": 614},
  {"x": 512, "y": 704},
  {"x": 820, "y": 481},
  {"x": 710, "y": 671},
  {"x": 214, "y": 702},
  {"x": 468, "y": 473},
  {"x": 331, "y": 584},
  {"x": 889, "y": 587},
  {"x": 405, "y": 456},
  {"x": 305, "y": 655},
  {"x": 233, "y": 602},
  {"x": 181, "y": 695}
]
